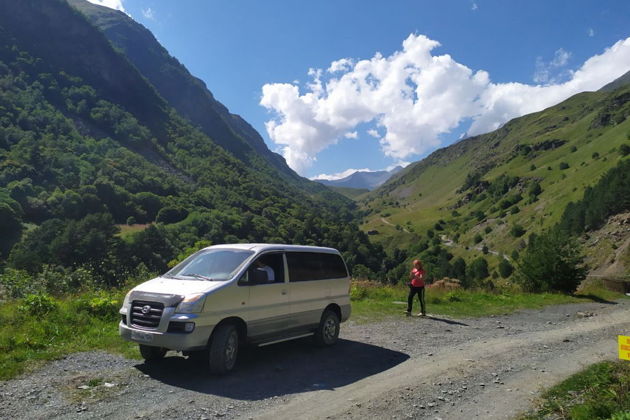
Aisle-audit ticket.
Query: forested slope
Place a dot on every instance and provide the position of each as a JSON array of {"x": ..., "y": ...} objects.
[{"x": 87, "y": 144}]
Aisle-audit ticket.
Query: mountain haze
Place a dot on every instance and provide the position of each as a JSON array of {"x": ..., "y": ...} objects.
[{"x": 362, "y": 179}]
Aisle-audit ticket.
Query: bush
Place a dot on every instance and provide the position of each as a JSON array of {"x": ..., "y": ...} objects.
[
  {"x": 477, "y": 238},
  {"x": 17, "y": 283},
  {"x": 517, "y": 231},
  {"x": 563, "y": 166},
  {"x": 624, "y": 150},
  {"x": 505, "y": 268},
  {"x": 552, "y": 261},
  {"x": 39, "y": 304},
  {"x": 102, "y": 305}
]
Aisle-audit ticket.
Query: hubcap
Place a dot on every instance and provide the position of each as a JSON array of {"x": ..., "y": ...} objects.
[
  {"x": 231, "y": 347},
  {"x": 330, "y": 329}
]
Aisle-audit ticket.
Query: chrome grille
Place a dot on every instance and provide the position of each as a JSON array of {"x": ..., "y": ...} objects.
[{"x": 146, "y": 314}]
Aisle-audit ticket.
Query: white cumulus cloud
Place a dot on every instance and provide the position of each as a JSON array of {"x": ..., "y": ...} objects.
[
  {"x": 112, "y": 4},
  {"x": 412, "y": 97}
]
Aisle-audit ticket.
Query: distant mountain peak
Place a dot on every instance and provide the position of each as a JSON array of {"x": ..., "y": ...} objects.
[{"x": 362, "y": 179}]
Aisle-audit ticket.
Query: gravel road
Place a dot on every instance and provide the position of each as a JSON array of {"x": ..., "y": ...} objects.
[{"x": 432, "y": 367}]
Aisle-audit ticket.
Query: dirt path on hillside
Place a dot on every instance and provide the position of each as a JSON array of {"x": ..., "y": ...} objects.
[{"x": 404, "y": 368}]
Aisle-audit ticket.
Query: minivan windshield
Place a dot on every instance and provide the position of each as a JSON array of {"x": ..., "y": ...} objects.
[{"x": 210, "y": 265}]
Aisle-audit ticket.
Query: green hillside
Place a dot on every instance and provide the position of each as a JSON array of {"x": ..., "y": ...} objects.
[
  {"x": 495, "y": 189},
  {"x": 87, "y": 143}
]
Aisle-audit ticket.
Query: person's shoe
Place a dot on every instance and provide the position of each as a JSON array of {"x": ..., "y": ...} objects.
[
  {"x": 422, "y": 314},
  {"x": 408, "y": 313}
]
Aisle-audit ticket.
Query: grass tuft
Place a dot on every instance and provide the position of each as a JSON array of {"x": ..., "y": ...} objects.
[{"x": 602, "y": 391}]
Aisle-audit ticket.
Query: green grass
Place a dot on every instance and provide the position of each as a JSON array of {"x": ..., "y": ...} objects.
[
  {"x": 602, "y": 391},
  {"x": 371, "y": 302},
  {"x": 33, "y": 333},
  {"x": 126, "y": 230}
]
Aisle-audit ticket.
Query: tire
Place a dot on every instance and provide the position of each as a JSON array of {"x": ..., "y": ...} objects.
[
  {"x": 327, "y": 332},
  {"x": 152, "y": 354},
  {"x": 223, "y": 349}
]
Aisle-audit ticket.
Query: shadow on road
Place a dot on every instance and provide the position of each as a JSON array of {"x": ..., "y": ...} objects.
[
  {"x": 281, "y": 369},
  {"x": 597, "y": 299},
  {"x": 445, "y": 320}
]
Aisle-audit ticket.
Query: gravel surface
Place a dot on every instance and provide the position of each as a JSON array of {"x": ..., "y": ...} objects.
[{"x": 430, "y": 368}]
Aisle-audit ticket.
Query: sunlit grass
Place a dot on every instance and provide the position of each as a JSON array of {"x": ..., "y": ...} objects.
[
  {"x": 372, "y": 301},
  {"x": 29, "y": 337},
  {"x": 602, "y": 391}
]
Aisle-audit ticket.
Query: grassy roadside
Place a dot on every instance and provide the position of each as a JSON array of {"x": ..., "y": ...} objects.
[
  {"x": 372, "y": 301},
  {"x": 40, "y": 328},
  {"x": 601, "y": 391}
]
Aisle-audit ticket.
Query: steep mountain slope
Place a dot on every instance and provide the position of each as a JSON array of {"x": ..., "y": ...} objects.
[
  {"x": 87, "y": 142},
  {"x": 362, "y": 179},
  {"x": 492, "y": 189},
  {"x": 184, "y": 92}
]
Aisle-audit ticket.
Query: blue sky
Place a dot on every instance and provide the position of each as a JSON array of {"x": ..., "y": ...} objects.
[{"x": 465, "y": 67}]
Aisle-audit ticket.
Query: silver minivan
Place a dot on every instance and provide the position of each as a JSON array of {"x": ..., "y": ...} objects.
[{"x": 226, "y": 295}]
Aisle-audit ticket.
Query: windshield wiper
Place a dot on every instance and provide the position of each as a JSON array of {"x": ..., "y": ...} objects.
[{"x": 197, "y": 276}]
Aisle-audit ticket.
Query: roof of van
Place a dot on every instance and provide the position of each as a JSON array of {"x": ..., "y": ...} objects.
[{"x": 276, "y": 247}]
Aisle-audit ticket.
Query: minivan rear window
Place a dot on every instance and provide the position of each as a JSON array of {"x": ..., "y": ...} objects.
[{"x": 306, "y": 266}]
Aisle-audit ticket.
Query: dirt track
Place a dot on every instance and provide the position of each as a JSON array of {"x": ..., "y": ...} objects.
[{"x": 406, "y": 368}]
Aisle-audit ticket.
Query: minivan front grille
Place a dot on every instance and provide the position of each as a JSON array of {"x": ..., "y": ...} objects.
[{"x": 146, "y": 314}]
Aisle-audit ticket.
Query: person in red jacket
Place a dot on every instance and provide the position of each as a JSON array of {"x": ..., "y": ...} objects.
[{"x": 416, "y": 286}]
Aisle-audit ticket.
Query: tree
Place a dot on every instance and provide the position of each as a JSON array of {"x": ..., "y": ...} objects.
[
  {"x": 551, "y": 261},
  {"x": 505, "y": 268}
]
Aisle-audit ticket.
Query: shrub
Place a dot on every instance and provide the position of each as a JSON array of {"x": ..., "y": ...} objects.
[
  {"x": 477, "y": 238},
  {"x": 104, "y": 306},
  {"x": 517, "y": 231},
  {"x": 505, "y": 268},
  {"x": 624, "y": 150},
  {"x": 39, "y": 304},
  {"x": 17, "y": 283},
  {"x": 488, "y": 229},
  {"x": 595, "y": 155},
  {"x": 563, "y": 166},
  {"x": 552, "y": 261}
]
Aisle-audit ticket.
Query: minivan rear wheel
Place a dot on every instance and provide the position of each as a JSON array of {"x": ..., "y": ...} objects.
[
  {"x": 223, "y": 349},
  {"x": 327, "y": 332},
  {"x": 152, "y": 354}
]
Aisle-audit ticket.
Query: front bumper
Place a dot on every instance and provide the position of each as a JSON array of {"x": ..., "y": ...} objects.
[{"x": 196, "y": 340}]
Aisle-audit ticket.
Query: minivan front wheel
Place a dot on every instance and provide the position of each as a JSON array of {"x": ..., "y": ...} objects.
[
  {"x": 151, "y": 354},
  {"x": 223, "y": 349},
  {"x": 328, "y": 330}
]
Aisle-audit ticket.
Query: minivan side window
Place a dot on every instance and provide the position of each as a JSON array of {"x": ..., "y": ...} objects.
[
  {"x": 306, "y": 266},
  {"x": 269, "y": 267}
]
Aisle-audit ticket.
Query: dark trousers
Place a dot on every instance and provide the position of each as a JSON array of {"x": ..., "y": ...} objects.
[{"x": 412, "y": 293}]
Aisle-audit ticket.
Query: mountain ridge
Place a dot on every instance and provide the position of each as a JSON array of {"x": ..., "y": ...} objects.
[
  {"x": 362, "y": 179},
  {"x": 185, "y": 92}
]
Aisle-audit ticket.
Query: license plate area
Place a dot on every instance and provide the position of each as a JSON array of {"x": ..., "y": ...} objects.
[{"x": 141, "y": 336}]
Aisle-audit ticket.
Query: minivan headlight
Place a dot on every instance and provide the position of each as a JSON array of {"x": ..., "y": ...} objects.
[
  {"x": 126, "y": 300},
  {"x": 191, "y": 303}
]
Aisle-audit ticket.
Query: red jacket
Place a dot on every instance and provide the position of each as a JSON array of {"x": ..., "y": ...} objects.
[{"x": 417, "y": 278}]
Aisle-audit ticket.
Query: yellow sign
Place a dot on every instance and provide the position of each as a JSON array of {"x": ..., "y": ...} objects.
[{"x": 624, "y": 347}]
